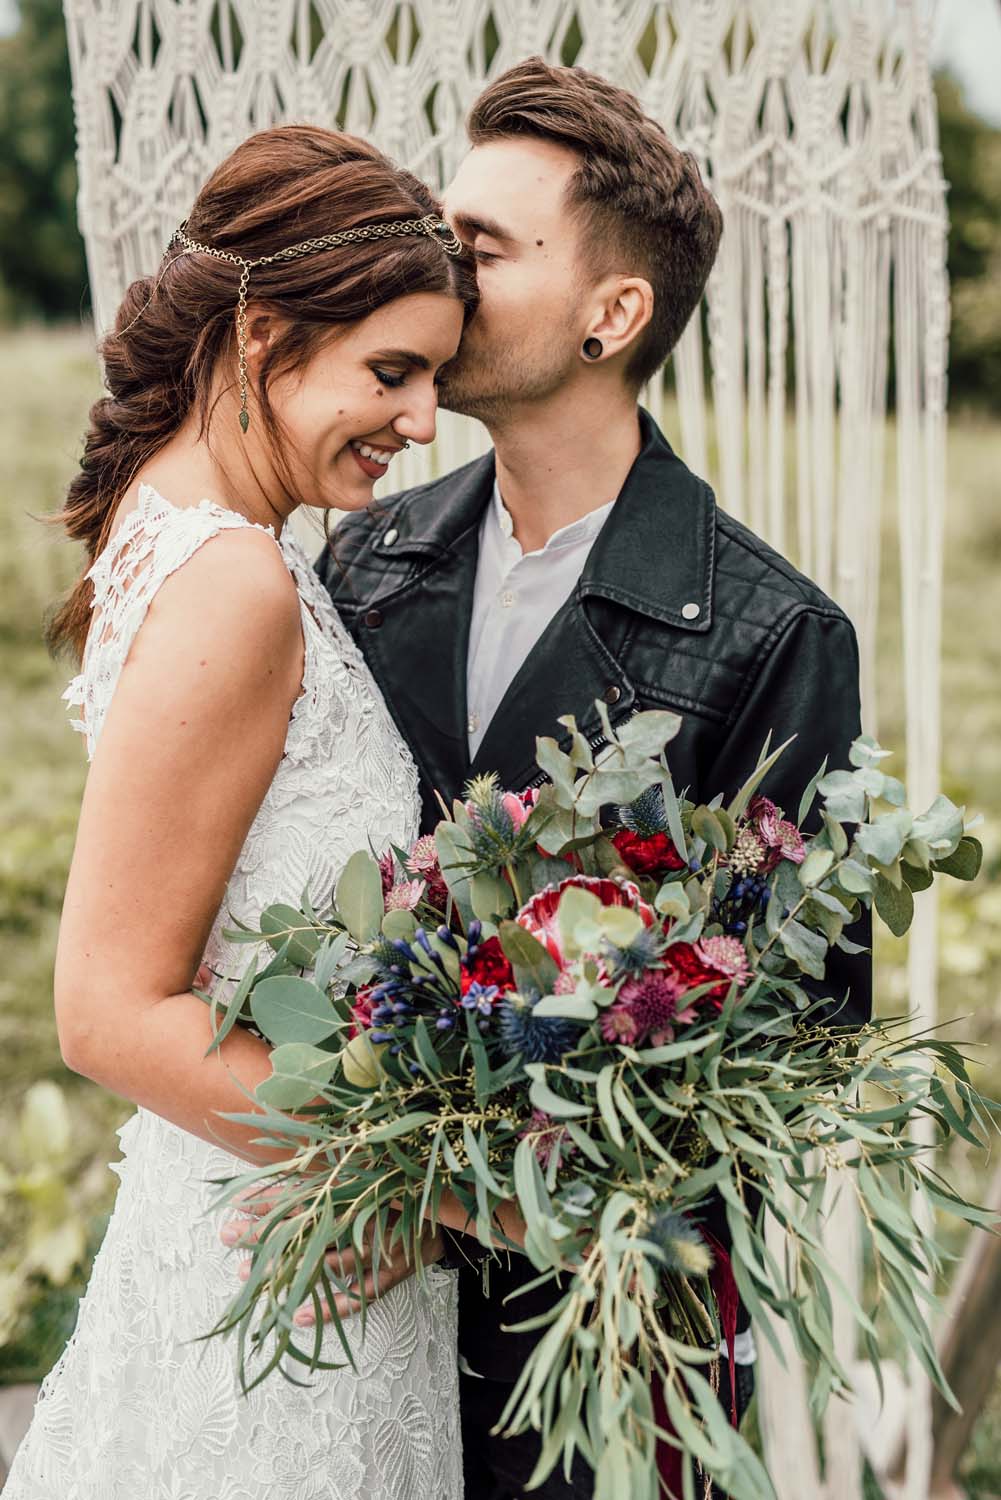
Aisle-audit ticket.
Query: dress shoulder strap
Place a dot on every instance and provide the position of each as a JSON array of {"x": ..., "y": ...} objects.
[{"x": 155, "y": 539}]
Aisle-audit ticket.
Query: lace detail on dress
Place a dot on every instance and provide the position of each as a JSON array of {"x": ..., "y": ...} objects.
[{"x": 136, "y": 1406}]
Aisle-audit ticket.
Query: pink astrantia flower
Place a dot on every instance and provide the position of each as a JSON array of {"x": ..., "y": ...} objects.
[
  {"x": 647, "y": 1009},
  {"x": 387, "y": 869},
  {"x": 727, "y": 955},
  {"x": 423, "y": 862},
  {"x": 554, "y": 1138},
  {"x": 782, "y": 839},
  {"x": 540, "y": 916},
  {"x": 404, "y": 895}
]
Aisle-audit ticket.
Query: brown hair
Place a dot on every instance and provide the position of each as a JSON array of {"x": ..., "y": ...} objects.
[
  {"x": 636, "y": 198},
  {"x": 279, "y": 187}
]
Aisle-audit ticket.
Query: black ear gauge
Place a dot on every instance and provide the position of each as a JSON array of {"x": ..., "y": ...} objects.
[{"x": 593, "y": 348}]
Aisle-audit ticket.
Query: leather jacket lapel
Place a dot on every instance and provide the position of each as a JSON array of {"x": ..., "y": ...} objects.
[{"x": 414, "y": 628}]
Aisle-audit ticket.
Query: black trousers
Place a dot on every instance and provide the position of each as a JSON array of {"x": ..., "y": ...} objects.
[{"x": 497, "y": 1468}]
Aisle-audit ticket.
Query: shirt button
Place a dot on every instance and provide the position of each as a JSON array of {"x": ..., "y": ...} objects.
[
  {"x": 390, "y": 537},
  {"x": 506, "y": 523},
  {"x": 373, "y": 618},
  {"x": 507, "y": 599},
  {"x": 689, "y": 611},
  {"x": 472, "y": 723},
  {"x": 613, "y": 693}
]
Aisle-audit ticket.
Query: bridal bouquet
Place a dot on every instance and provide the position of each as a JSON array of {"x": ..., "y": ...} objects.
[{"x": 605, "y": 1005}]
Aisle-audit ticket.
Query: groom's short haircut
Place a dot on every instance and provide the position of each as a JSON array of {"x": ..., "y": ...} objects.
[{"x": 640, "y": 204}]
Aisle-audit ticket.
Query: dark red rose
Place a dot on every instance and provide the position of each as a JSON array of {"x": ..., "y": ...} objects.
[
  {"x": 488, "y": 966},
  {"x": 654, "y": 855},
  {"x": 683, "y": 961}
]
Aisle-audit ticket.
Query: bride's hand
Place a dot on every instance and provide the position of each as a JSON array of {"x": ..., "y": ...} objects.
[{"x": 345, "y": 1267}]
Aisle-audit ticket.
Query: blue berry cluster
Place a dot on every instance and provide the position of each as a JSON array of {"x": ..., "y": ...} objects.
[
  {"x": 416, "y": 983},
  {"x": 746, "y": 898}
]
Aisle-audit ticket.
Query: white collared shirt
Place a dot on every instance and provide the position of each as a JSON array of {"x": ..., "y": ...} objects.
[{"x": 515, "y": 597}]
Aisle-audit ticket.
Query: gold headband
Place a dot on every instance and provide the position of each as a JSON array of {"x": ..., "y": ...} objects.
[{"x": 431, "y": 225}]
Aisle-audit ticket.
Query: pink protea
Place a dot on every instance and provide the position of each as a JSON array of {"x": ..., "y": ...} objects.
[
  {"x": 387, "y": 869},
  {"x": 404, "y": 895},
  {"x": 649, "y": 1006},
  {"x": 423, "y": 862},
  {"x": 361, "y": 1012},
  {"x": 518, "y": 805},
  {"x": 727, "y": 955},
  {"x": 540, "y": 915}
]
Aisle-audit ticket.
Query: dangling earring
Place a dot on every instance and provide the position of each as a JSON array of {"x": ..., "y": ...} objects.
[{"x": 593, "y": 348}]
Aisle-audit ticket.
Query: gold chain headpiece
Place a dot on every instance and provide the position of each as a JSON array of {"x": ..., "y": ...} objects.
[{"x": 431, "y": 224}]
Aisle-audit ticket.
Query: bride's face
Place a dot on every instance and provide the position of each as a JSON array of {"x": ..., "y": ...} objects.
[{"x": 366, "y": 392}]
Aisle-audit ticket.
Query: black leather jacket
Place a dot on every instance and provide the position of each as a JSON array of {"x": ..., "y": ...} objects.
[{"x": 678, "y": 606}]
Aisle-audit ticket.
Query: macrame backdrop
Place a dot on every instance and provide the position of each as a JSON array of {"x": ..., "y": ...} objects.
[{"x": 815, "y": 123}]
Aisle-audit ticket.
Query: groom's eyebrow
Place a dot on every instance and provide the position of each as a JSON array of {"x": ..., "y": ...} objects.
[
  {"x": 405, "y": 357},
  {"x": 470, "y": 225}
]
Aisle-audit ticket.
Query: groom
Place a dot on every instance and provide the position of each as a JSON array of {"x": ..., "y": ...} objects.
[{"x": 581, "y": 559}]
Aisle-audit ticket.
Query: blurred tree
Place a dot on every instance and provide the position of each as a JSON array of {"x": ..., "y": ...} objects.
[
  {"x": 42, "y": 268},
  {"x": 971, "y": 162}
]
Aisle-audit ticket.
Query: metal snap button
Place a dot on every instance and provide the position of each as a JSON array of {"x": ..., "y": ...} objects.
[
  {"x": 391, "y": 536},
  {"x": 689, "y": 611},
  {"x": 373, "y": 618},
  {"x": 613, "y": 693}
]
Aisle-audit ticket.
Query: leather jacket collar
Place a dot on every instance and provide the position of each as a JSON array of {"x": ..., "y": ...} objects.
[{"x": 655, "y": 553}]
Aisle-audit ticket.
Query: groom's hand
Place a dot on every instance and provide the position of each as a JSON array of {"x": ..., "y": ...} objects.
[{"x": 345, "y": 1267}]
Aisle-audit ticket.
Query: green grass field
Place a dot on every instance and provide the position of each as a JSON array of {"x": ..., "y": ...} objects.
[{"x": 50, "y": 378}]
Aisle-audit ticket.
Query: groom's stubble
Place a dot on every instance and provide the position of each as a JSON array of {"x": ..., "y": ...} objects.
[{"x": 524, "y": 361}]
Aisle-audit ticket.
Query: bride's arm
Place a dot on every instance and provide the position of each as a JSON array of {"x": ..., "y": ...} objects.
[{"x": 191, "y": 742}]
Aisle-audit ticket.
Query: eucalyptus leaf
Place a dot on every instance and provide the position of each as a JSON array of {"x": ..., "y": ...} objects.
[
  {"x": 292, "y": 1010},
  {"x": 286, "y": 924},
  {"x": 359, "y": 896},
  {"x": 298, "y": 1071},
  {"x": 534, "y": 967},
  {"x": 895, "y": 906},
  {"x": 399, "y": 926},
  {"x": 964, "y": 862},
  {"x": 647, "y": 733}
]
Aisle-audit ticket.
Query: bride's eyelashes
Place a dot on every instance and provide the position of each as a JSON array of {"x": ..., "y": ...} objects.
[
  {"x": 387, "y": 379},
  {"x": 393, "y": 381}
]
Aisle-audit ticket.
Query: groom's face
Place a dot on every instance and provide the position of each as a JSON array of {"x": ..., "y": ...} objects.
[{"x": 507, "y": 202}]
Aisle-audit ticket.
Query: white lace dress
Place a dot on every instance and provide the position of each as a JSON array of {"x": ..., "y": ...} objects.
[{"x": 133, "y": 1410}]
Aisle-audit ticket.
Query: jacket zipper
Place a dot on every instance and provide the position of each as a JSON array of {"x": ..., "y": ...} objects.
[{"x": 595, "y": 742}]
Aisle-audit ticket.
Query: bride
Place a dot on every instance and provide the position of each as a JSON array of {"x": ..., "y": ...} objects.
[{"x": 240, "y": 751}]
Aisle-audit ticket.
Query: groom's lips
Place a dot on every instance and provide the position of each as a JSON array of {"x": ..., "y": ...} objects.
[{"x": 374, "y": 471}]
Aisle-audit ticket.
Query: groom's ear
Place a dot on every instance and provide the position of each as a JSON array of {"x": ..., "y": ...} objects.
[{"x": 624, "y": 308}]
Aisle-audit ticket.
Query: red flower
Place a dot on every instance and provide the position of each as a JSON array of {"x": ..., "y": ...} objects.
[
  {"x": 654, "y": 855},
  {"x": 540, "y": 916},
  {"x": 488, "y": 966},
  {"x": 684, "y": 961},
  {"x": 361, "y": 1012}
]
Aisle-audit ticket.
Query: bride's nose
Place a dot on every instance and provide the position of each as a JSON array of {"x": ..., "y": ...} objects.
[{"x": 417, "y": 420}]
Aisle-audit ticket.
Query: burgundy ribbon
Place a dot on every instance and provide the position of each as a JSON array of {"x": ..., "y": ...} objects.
[{"x": 724, "y": 1289}]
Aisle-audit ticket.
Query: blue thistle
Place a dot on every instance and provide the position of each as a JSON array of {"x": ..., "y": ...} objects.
[
  {"x": 537, "y": 1038},
  {"x": 645, "y": 816},
  {"x": 641, "y": 954}
]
